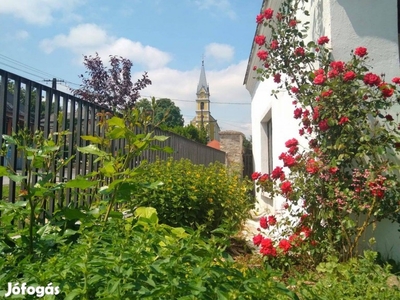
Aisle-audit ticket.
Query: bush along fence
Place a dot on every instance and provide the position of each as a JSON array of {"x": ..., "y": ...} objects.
[{"x": 49, "y": 138}]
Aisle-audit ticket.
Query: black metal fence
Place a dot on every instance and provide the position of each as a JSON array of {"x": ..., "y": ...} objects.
[{"x": 25, "y": 104}]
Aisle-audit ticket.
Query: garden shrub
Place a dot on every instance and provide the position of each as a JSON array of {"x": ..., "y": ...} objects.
[
  {"x": 195, "y": 195},
  {"x": 138, "y": 258},
  {"x": 358, "y": 278}
]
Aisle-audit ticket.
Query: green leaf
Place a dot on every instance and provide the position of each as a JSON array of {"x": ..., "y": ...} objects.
[
  {"x": 92, "y": 149},
  {"x": 17, "y": 178},
  {"x": 115, "y": 121},
  {"x": 148, "y": 213},
  {"x": 9, "y": 139},
  {"x": 93, "y": 139},
  {"x": 3, "y": 171},
  {"x": 73, "y": 214},
  {"x": 117, "y": 133},
  {"x": 161, "y": 138},
  {"x": 80, "y": 183}
]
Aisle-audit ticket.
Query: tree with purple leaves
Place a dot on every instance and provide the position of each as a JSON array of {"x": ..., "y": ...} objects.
[{"x": 112, "y": 86}]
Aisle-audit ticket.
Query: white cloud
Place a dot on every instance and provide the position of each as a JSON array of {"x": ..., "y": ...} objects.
[
  {"x": 222, "y": 5},
  {"x": 219, "y": 52},
  {"x": 21, "y": 35},
  {"x": 38, "y": 12},
  {"x": 78, "y": 41}
]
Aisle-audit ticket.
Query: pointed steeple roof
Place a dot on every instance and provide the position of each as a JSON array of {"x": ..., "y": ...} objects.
[{"x": 202, "y": 80}]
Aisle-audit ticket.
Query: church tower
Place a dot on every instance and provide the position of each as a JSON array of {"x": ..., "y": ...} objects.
[{"x": 203, "y": 117}]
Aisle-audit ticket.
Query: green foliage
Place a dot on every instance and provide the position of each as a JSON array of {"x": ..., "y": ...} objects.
[
  {"x": 195, "y": 195},
  {"x": 164, "y": 112},
  {"x": 358, "y": 278},
  {"x": 191, "y": 132},
  {"x": 137, "y": 258}
]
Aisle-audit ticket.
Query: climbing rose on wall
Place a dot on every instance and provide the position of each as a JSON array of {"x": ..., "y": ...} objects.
[{"x": 360, "y": 51}]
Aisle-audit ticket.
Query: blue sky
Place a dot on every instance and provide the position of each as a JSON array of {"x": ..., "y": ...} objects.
[{"x": 42, "y": 39}]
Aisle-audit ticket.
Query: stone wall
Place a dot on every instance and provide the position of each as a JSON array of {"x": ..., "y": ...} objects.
[{"x": 232, "y": 144}]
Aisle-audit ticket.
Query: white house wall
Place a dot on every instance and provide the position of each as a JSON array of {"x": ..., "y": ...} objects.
[{"x": 349, "y": 24}]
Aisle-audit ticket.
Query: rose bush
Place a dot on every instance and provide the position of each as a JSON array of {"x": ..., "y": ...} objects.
[{"x": 343, "y": 174}]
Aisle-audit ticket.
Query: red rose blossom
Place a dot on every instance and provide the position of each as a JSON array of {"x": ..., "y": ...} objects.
[
  {"x": 389, "y": 118},
  {"x": 259, "y": 19},
  {"x": 274, "y": 45},
  {"x": 254, "y": 68},
  {"x": 348, "y": 76},
  {"x": 294, "y": 89},
  {"x": 386, "y": 90},
  {"x": 255, "y": 175},
  {"x": 337, "y": 65},
  {"x": 286, "y": 187},
  {"x": 323, "y": 125},
  {"x": 372, "y": 79},
  {"x": 262, "y": 54},
  {"x": 259, "y": 40},
  {"x": 312, "y": 166},
  {"x": 343, "y": 120},
  {"x": 277, "y": 173},
  {"x": 319, "y": 79},
  {"x": 284, "y": 245},
  {"x": 291, "y": 143},
  {"x": 297, "y": 113},
  {"x": 263, "y": 223},
  {"x": 263, "y": 178},
  {"x": 323, "y": 40},
  {"x": 277, "y": 78},
  {"x": 268, "y": 13},
  {"x": 327, "y": 93},
  {"x": 299, "y": 51},
  {"x": 293, "y": 23},
  {"x": 396, "y": 80},
  {"x": 257, "y": 239},
  {"x": 271, "y": 220},
  {"x": 360, "y": 51}
]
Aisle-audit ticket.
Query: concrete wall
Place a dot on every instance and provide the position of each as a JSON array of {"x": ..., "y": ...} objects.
[{"x": 232, "y": 144}]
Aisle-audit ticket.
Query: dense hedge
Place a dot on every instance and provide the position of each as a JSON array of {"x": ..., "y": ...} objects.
[{"x": 195, "y": 195}]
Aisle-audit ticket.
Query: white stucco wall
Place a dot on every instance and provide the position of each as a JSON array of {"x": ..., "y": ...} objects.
[{"x": 349, "y": 24}]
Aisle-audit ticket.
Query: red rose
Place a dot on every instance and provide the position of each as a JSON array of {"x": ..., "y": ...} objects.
[
  {"x": 294, "y": 90},
  {"x": 257, "y": 239},
  {"x": 285, "y": 205},
  {"x": 333, "y": 170},
  {"x": 319, "y": 79},
  {"x": 259, "y": 19},
  {"x": 271, "y": 220},
  {"x": 312, "y": 166},
  {"x": 315, "y": 113},
  {"x": 288, "y": 161},
  {"x": 337, "y": 65},
  {"x": 276, "y": 173},
  {"x": 372, "y": 79},
  {"x": 323, "y": 125},
  {"x": 348, "y": 76},
  {"x": 293, "y": 23},
  {"x": 260, "y": 40},
  {"x": 299, "y": 51},
  {"x": 277, "y": 78},
  {"x": 267, "y": 243},
  {"x": 323, "y": 40},
  {"x": 297, "y": 113},
  {"x": 286, "y": 187},
  {"x": 389, "y": 118},
  {"x": 386, "y": 90},
  {"x": 263, "y": 178},
  {"x": 263, "y": 223},
  {"x": 327, "y": 93},
  {"x": 268, "y": 13},
  {"x": 291, "y": 143},
  {"x": 255, "y": 175},
  {"x": 262, "y": 54},
  {"x": 396, "y": 80},
  {"x": 274, "y": 45},
  {"x": 343, "y": 120},
  {"x": 284, "y": 245},
  {"x": 254, "y": 68},
  {"x": 360, "y": 51},
  {"x": 293, "y": 150},
  {"x": 333, "y": 73},
  {"x": 319, "y": 72}
]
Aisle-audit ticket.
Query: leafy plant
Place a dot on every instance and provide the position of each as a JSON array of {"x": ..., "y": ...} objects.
[
  {"x": 195, "y": 195},
  {"x": 138, "y": 258}
]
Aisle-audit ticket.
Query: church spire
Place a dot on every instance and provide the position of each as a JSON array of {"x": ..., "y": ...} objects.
[{"x": 202, "y": 80}]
